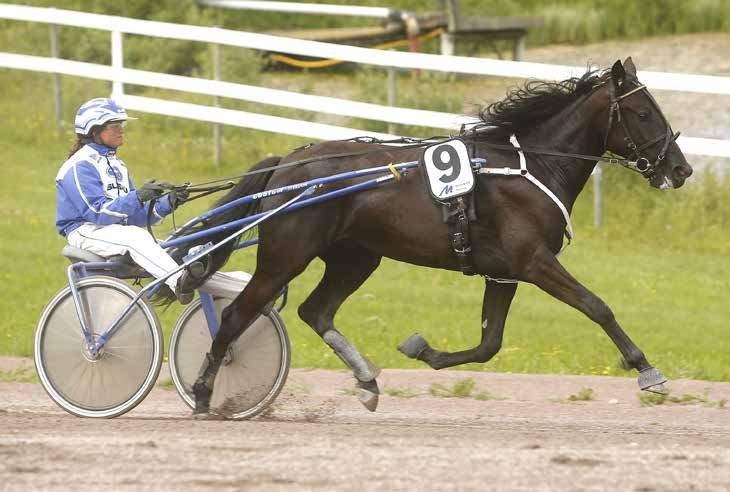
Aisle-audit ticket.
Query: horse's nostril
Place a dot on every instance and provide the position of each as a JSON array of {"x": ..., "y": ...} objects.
[{"x": 683, "y": 171}]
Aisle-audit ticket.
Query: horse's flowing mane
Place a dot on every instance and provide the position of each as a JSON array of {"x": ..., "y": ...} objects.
[{"x": 527, "y": 106}]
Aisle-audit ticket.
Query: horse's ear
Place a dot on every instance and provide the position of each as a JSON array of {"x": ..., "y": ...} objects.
[
  {"x": 629, "y": 66},
  {"x": 618, "y": 72}
]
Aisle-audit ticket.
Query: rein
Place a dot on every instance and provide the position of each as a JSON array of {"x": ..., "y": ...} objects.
[
  {"x": 610, "y": 160},
  {"x": 209, "y": 190},
  {"x": 413, "y": 143},
  {"x": 203, "y": 191}
]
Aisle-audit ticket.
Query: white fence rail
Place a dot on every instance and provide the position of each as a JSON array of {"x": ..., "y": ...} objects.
[
  {"x": 331, "y": 105},
  {"x": 433, "y": 119},
  {"x": 708, "y": 84},
  {"x": 304, "y": 8},
  {"x": 119, "y": 75}
]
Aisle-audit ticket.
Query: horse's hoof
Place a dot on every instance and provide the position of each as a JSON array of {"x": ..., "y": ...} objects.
[
  {"x": 368, "y": 399},
  {"x": 659, "y": 389},
  {"x": 368, "y": 393},
  {"x": 413, "y": 346},
  {"x": 207, "y": 416},
  {"x": 200, "y": 415},
  {"x": 650, "y": 378}
]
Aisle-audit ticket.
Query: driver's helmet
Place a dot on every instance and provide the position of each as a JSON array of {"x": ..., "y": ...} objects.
[{"x": 97, "y": 112}]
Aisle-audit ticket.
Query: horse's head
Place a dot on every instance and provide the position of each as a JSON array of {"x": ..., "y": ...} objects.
[{"x": 638, "y": 130}]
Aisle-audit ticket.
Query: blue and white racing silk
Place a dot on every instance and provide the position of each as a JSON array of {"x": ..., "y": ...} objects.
[{"x": 93, "y": 187}]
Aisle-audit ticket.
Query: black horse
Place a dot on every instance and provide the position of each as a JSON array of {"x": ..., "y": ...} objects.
[{"x": 517, "y": 235}]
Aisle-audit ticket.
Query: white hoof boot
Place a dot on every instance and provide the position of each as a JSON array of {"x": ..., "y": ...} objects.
[
  {"x": 652, "y": 379},
  {"x": 659, "y": 389},
  {"x": 413, "y": 346}
]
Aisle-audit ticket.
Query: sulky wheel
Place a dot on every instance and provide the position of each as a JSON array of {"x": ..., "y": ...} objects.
[
  {"x": 128, "y": 364},
  {"x": 253, "y": 371}
]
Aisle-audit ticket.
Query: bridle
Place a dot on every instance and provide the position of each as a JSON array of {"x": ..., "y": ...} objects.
[{"x": 642, "y": 165}]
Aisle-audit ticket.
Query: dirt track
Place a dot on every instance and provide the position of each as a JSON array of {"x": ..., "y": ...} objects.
[{"x": 529, "y": 437}]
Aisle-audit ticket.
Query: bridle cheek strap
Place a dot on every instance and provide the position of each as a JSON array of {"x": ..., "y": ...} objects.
[{"x": 642, "y": 165}]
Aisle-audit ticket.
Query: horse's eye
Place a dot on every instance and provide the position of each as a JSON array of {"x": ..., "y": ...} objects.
[{"x": 643, "y": 115}]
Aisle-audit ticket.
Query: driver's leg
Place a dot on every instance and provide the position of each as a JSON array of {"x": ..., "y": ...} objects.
[{"x": 117, "y": 239}]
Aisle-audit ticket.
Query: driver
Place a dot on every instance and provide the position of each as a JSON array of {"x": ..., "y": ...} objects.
[{"x": 99, "y": 209}]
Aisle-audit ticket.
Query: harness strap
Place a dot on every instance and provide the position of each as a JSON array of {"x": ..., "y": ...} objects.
[
  {"x": 523, "y": 171},
  {"x": 395, "y": 172},
  {"x": 458, "y": 222}
]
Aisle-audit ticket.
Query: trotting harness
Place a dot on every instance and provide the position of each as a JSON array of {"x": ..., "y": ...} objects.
[{"x": 458, "y": 211}]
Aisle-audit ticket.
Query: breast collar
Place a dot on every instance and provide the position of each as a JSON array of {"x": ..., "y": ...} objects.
[{"x": 525, "y": 173}]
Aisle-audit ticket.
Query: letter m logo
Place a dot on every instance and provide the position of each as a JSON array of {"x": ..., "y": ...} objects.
[{"x": 447, "y": 189}]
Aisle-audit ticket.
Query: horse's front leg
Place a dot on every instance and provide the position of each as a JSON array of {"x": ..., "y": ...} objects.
[
  {"x": 548, "y": 274},
  {"x": 497, "y": 299}
]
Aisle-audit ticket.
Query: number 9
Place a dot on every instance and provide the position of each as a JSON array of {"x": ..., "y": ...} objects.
[{"x": 446, "y": 158}]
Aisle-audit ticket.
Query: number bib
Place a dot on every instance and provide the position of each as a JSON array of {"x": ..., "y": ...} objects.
[{"x": 448, "y": 169}]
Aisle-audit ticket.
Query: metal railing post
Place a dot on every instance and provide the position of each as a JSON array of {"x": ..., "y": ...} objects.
[
  {"x": 598, "y": 196},
  {"x": 56, "y": 82},
  {"x": 217, "y": 103},
  {"x": 117, "y": 62}
]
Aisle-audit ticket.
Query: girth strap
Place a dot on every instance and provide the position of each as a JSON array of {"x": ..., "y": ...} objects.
[{"x": 457, "y": 217}]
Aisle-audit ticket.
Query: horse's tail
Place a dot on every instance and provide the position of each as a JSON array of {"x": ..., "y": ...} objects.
[{"x": 248, "y": 185}]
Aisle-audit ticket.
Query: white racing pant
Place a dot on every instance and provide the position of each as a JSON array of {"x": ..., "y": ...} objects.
[{"x": 117, "y": 239}]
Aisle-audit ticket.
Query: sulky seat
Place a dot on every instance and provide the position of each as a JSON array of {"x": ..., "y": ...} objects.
[{"x": 123, "y": 266}]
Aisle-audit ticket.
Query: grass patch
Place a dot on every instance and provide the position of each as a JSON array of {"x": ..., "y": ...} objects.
[
  {"x": 652, "y": 399},
  {"x": 460, "y": 389},
  {"x": 463, "y": 388},
  {"x": 22, "y": 375},
  {"x": 394, "y": 392},
  {"x": 400, "y": 392},
  {"x": 586, "y": 394},
  {"x": 486, "y": 395},
  {"x": 166, "y": 384}
]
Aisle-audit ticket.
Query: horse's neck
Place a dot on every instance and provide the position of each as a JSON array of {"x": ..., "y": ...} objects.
[{"x": 575, "y": 130}]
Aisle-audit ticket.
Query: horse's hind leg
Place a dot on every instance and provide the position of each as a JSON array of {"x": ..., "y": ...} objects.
[
  {"x": 497, "y": 300},
  {"x": 347, "y": 266},
  {"x": 268, "y": 280}
]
